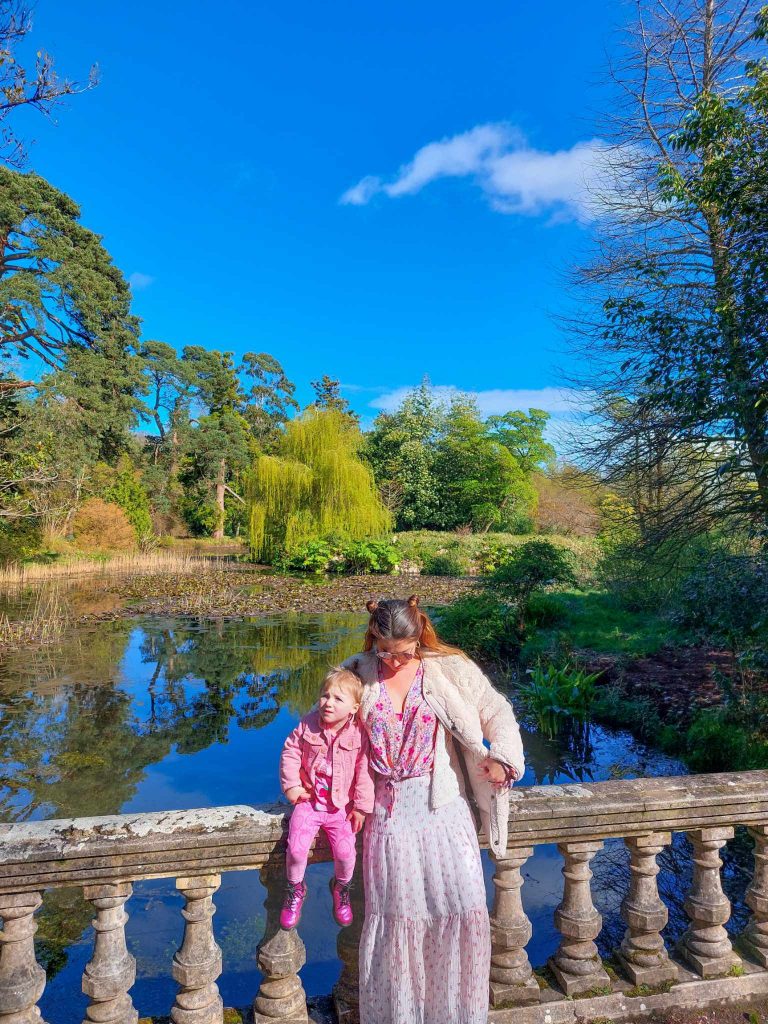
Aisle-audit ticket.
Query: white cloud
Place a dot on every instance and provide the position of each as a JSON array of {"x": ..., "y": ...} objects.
[
  {"x": 497, "y": 401},
  {"x": 514, "y": 177},
  {"x": 137, "y": 281}
]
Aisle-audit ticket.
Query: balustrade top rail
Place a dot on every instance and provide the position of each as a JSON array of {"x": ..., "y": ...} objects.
[{"x": 129, "y": 847}]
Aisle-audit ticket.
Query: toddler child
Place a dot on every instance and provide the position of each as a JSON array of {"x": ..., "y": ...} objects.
[{"x": 325, "y": 773}]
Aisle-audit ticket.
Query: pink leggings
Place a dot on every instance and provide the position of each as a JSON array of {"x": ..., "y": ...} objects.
[{"x": 305, "y": 823}]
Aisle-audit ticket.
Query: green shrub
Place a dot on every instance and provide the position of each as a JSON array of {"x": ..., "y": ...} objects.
[
  {"x": 490, "y": 555},
  {"x": 331, "y": 555},
  {"x": 18, "y": 539},
  {"x": 484, "y": 551},
  {"x": 554, "y": 694},
  {"x": 534, "y": 565},
  {"x": 716, "y": 743},
  {"x": 543, "y": 610},
  {"x": 127, "y": 492},
  {"x": 311, "y": 556},
  {"x": 725, "y": 600},
  {"x": 481, "y": 625},
  {"x": 199, "y": 512},
  {"x": 449, "y": 564},
  {"x": 363, "y": 556}
]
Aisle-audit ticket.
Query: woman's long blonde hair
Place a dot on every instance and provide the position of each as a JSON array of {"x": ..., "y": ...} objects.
[{"x": 396, "y": 619}]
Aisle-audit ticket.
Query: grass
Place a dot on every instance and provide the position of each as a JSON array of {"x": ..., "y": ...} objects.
[{"x": 593, "y": 620}]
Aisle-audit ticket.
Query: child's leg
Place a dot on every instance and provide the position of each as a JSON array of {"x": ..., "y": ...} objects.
[
  {"x": 342, "y": 842},
  {"x": 302, "y": 829}
]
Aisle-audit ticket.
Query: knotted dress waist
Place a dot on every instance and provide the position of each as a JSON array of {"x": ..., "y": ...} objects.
[{"x": 402, "y": 746}]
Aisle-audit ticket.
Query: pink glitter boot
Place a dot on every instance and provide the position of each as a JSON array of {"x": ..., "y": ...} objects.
[
  {"x": 342, "y": 908},
  {"x": 295, "y": 894}
]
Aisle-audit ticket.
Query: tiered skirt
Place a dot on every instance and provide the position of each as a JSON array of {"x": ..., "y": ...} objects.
[{"x": 425, "y": 949}]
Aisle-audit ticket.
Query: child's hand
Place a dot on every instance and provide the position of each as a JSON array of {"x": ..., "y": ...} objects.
[
  {"x": 297, "y": 794},
  {"x": 356, "y": 820}
]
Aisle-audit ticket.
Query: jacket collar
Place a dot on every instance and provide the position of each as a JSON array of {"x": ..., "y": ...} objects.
[
  {"x": 366, "y": 666},
  {"x": 434, "y": 677},
  {"x": 348, "y": 735}
]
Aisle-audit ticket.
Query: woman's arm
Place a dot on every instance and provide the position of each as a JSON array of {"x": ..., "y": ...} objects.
[
  {"x": 363, "y": 787},
  {"x": 497, "y": 719}
]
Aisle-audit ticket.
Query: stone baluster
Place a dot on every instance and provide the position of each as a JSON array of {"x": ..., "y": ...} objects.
[
  {"x": 512, "y": 980},
  {"x": 197, "y": 962},
  {"x": 346, "y": 993},
  {"x": 643, "y": 954},
  {"x": 706, "y": 946},
  {"x": 281, "y": 956},
  {"x": 576, "y": 964},
  {"x": 755, "y": 937},
  {"x": 22, "y": 979},
  {"x": 111, "y": 970}
]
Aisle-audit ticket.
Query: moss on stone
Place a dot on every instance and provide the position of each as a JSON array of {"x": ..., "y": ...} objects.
[
  {"x": 598, "y": 990},
  {"x": 649, "y": 990}
]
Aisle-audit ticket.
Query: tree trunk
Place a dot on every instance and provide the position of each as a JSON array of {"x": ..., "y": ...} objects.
[
  {"x": 221, "y": 476},
  {"x": 749, "y": 419},
  {"x": 173, "y": 469}
]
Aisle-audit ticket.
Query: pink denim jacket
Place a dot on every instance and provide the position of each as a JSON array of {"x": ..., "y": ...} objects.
[{"x": 352, "y": 783}]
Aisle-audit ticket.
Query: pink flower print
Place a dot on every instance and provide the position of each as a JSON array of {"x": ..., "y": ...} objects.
[
  {"x": 426, "y": 718},
  {"x": 411, "y": 752},
  {"x": 379, "y": 706}
]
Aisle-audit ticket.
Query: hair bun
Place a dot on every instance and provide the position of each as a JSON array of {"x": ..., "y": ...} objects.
[
  {"x": 371, "y": 605},
  {"x": 413, "y": 600}
]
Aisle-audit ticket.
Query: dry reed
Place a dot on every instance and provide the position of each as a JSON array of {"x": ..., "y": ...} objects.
[
  {"x": 45, "y": 621},
  {"x": 135, "y": 562}
]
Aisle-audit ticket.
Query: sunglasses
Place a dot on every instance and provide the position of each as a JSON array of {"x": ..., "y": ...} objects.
[{"x": 401, "y": 655}]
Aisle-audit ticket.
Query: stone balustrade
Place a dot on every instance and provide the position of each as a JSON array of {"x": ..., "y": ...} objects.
[{"x": 105, "y": 856}]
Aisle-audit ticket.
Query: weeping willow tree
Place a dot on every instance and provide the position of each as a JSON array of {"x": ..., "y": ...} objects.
[{"x": 314, "y": 486}]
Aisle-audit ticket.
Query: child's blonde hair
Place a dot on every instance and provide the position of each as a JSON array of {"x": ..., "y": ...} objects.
[{"x": 347, "y": 680}]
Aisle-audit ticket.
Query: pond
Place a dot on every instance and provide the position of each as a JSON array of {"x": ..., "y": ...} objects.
[{"x": 166, "y": 713}]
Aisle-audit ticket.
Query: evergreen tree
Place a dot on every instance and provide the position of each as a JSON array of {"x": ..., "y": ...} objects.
[
  {"x": 61, "y": 296},
  {"x": 328, "y": 396},
  {"x": 222, "y": 446},
  {"x": 269, "y": 400},
  {"x": 401, "y": 450}
]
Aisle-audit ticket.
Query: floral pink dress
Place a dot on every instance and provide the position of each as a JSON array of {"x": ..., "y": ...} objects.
[{"x": 425, "y": 947}]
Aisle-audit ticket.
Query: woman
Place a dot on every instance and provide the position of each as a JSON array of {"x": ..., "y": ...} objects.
[{"x": 429, "y": 710}]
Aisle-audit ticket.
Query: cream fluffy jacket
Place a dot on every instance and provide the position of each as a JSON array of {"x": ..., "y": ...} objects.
[{"x": 470, "y": 711}]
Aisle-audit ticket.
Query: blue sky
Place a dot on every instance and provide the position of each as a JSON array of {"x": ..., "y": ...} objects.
[{"x": 260, "y": 172}]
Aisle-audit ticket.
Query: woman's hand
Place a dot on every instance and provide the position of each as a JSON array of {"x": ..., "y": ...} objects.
[
  {"x": 356, "y": 820},
  {"x": 494, "y": 771},
  {"x": 297, "y": 794}
]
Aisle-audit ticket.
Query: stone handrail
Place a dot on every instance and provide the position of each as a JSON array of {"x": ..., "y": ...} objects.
[{"x": 105, "y": 855}]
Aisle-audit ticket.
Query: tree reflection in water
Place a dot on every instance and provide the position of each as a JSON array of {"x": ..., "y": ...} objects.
[{"x": 77, "y": 734}]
